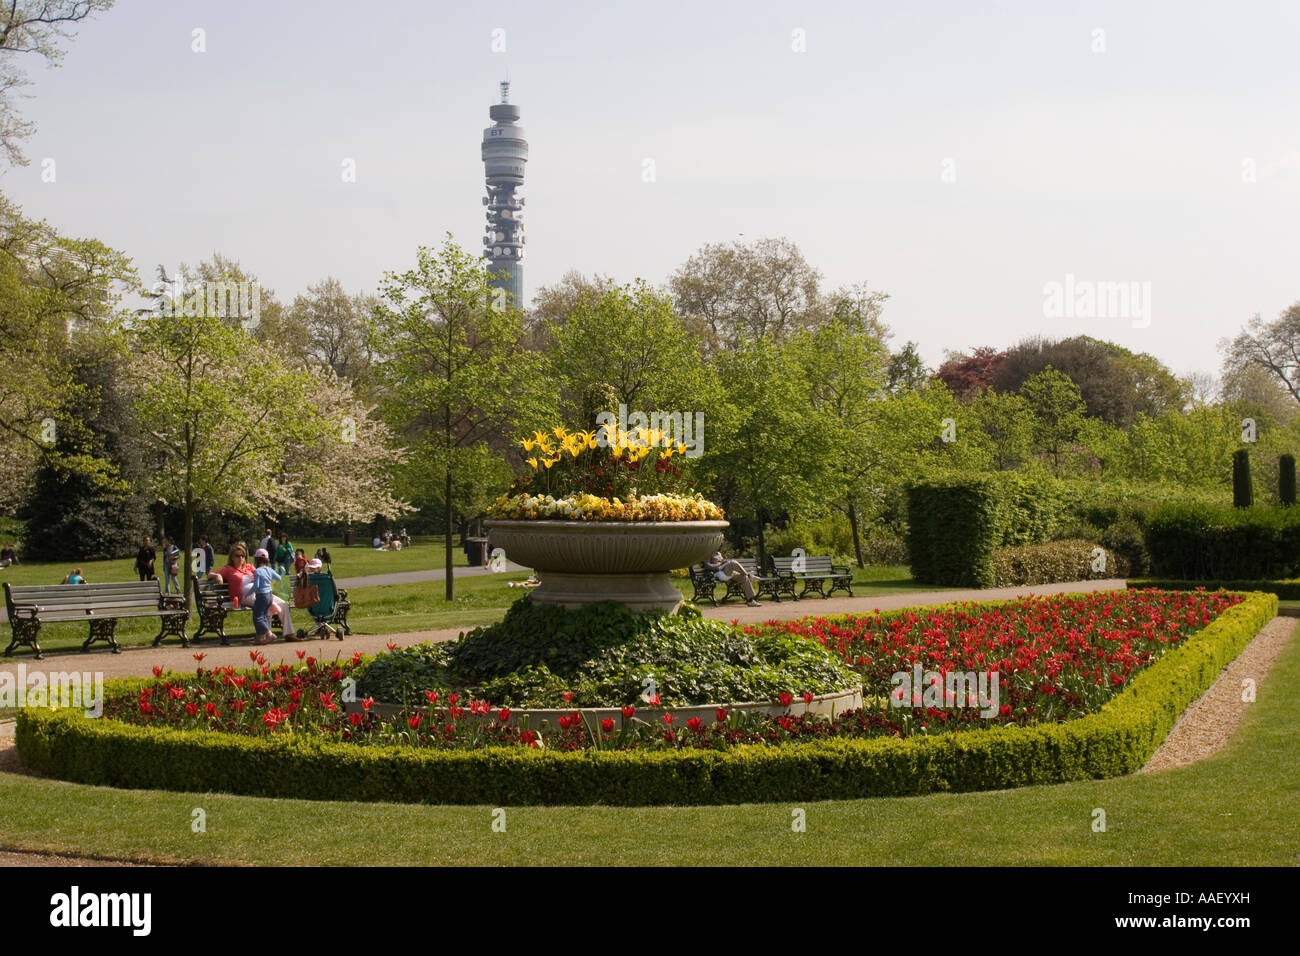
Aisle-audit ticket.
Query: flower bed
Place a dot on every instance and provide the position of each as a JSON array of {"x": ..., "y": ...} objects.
[
  {"x": 276, "y": 760},
  {"x": 588, "y": 507}
]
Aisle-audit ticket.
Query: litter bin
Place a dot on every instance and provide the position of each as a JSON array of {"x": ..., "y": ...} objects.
[
  {"x": 348, "y": 538},
  {"x": 476, "y": 552}
]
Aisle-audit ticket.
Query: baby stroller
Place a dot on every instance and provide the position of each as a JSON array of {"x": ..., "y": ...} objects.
[{"x": 322, "y": 612}]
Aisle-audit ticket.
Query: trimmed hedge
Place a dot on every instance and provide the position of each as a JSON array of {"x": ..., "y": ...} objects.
[
  {"x": 955, "y": 523},
  {"x": 1196, "y": 542},
  {"x": 1118, "y": 739},
  {"x": 1052, "y": 562},
  {"x": 1283, "y": 590}
]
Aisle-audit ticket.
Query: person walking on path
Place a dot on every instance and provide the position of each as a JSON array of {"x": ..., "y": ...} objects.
[
  {"x": 267, "y": 543},
  {"x": 725, "y": 571},
  {"x": 264, "y": 578},
  {"x": 209, "y": 555},
  {"x": 144, "y": 560},
  {"x": 171, "y": 566}
]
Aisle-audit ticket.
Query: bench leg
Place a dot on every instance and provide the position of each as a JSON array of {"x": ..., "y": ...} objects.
[
  {"x": 841, "y": 585},
  {"x": 25, "y": 632},
  {"x": 212, "y": 620},
  {"x": 104, "y": 629},
  {"x": 173, "y": 625}
]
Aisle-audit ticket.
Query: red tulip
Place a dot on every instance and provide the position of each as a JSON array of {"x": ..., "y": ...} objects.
[
  {"x": 157, "y": 671},
  {"x": 528, "y": 737},
  {"x": 807, "y": 697},
  {"x": 453, "y": 697},
  {"x": 367, "y": 703},
  {"x": 607, "y": 724},
  {"x": 721, "y": 714},
  {"x": 355, "y": 719},
  {"x": 177, "y": 692},
  {"x": 504, "y": 714},
  {"x": 564, "y": 722},
  {"x": 327, "y": 701},
  {"x": 568, "y": 696},
  {"x": 415, "y": 720},
  {"x": 391, "y": 645},
  {"x": 668, "y": 719},
  {"x": 785, "y": 699},
  {"x": 199, "y": 657},
  {"x": 301, "y": 654},
  {"x": 628, "y": 711},
  {"x": 431, "y": 696},
  {"x": 191, "y": 708},
  {"x": 455, "y": 712},
  {"x": 695, "y": 724},
  {"x": 146, "y": 707},
  {"x": 211, "y": 708}
]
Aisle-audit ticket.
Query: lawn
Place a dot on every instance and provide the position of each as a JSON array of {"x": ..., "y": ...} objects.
[{"x": 1238, "y": 808}]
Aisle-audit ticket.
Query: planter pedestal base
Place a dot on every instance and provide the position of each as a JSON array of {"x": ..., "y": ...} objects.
[{"x": 646, "y": 591}]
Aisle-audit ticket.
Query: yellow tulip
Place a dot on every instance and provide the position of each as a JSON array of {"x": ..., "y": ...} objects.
[
  {"x": 528, "y": 445},
  {"x": 548, "y": 462},
  {"x": 533, "y": 462},
  {"x": 681, "y": 448},
  {"x": 559, "y": 432},
  {"x": 616, "y": 451}
]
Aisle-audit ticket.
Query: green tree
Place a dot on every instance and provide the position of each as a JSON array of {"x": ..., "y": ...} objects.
[
  {"x": 770, "y": 451},
  {"x": 845, "y": 367},
  {"x": 453, "y": 370},
  {"x": 631, "y": 339},
  {"x": 1058, "y": 413},
  {"x": 219, "y": 413},
  {"x": 1008, "y": 421}
]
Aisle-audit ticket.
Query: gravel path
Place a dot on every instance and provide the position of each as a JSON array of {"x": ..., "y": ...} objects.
[{"x": 1209, "y": 722}]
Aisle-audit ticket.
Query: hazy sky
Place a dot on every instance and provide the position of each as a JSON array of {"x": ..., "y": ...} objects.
[{"x": 958, "y": 156}]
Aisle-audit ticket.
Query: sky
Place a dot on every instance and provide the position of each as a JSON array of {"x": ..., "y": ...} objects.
[{"x": 978, "y": 162}]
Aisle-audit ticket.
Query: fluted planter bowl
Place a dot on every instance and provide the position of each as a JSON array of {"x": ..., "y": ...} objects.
[{"x": 582, "y": 562}]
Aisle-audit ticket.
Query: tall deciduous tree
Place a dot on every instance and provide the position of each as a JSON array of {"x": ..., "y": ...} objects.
[
  {"x": 631, "y": 339},
  {"x": 1058, "y": 412},
  {"x": 453, "y": 369},
  {"x": 219, "y": 411},
  {"x": 34, "y": 28}
]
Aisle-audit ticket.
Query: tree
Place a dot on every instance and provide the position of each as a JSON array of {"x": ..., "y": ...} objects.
[
  {"x": 33, "y": 27},
  {"x": 769, "y": 453},
  {"x": 631, "y": 339},
  {"x": 845, "y": 368},
  {"x": 330, "y": 325},
  {"x": 453, "y": 369},
  {"x": 1058, "y": 412},
  {"x": 967, "y": 376},
  {"x": 219, "y": 411},
  {"x": 906, "y": 372},
  {"x": 55, "y": 293},
  {"x": 1008, "y": 421},
  {"x": 553, "y": 303},
  {"x": 732, "y": 293},
  {"x": 1116, "y": 385}
]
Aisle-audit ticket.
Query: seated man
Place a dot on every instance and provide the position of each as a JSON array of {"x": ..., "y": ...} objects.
[{"x": 724, "y": 570}]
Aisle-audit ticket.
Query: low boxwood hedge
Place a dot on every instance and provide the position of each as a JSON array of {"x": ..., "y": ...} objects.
[
  {"x": 1116, "y": 740},
  {"x": 1284, "y": 590}
]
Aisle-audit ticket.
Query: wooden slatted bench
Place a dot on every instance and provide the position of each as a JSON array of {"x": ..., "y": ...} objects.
[
  {"x": 764, "y": 584},
  {"x": 815, "y": 573},
  {"x": 212, "y": 598},
  {"x": 102, "y": 605}
]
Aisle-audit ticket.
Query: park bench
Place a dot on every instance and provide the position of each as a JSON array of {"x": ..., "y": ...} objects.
[
  {"x": 764, "y": 584},
  {"x": 815, "y": 573},
  {"x": 212, "y": 598},
  {"x": 102, "y": 605}
]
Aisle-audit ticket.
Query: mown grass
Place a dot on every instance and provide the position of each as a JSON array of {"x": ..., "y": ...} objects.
[{"x": 1238, "y": 808}]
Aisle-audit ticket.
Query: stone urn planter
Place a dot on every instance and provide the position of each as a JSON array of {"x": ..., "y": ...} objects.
[{"x": 582, "y": 562}]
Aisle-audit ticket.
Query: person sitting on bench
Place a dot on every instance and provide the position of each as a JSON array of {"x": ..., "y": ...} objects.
[{"x": 725, "y": 571}]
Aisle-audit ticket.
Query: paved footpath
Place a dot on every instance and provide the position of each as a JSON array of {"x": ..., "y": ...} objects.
[{"x": 139, "y": 661}]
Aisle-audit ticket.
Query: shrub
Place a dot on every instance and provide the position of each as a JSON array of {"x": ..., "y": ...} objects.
[
  {"x": 1242, "y": 493},
  {"x": 1283, "y": 590},
  {"x": 1053, "y": 562},
  {"x": 1196, "y": 542},
  {"x": 1126, "y": 539},
  {"x": 1116, "y": 740},
  {"x": 603, "y": 653},
  {"x": 1286, "y": 479}
]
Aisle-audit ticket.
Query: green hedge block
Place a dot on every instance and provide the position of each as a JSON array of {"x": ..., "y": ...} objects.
[
  {"x": 1197, "y": 542},
  {"x": 1067, "y": 560},
  {"x": 1118, "y": 739},
  {"x": 1284, "y": 590}
]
